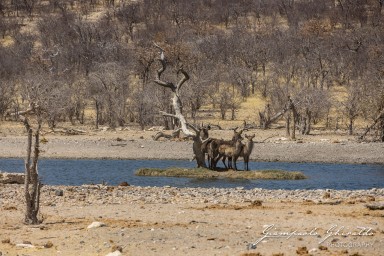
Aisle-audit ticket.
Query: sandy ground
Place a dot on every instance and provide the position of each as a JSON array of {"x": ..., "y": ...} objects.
[{"x": 170, "y": 221}]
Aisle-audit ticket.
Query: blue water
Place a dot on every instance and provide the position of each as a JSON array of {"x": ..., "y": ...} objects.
[{"x": 113, "y": 172}]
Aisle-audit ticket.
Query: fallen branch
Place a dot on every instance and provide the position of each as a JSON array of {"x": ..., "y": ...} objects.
[
  {"x": 119, "y": 145},
  {"x": 267, "y": 138},
  {"x": 175, "y": 134},
  {"x": 69, "y": 131},
  {"x": 218, "y": 127},
  {"x": 31, "y": 109}
]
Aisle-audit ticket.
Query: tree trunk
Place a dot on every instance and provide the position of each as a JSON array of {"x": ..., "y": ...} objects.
[
  {"x": 32, "y": 185},
  {"x": 287, "y": 126},
  {"x": 223, "y": 112},
  {"x": 294, "y": 121},
  {"x": 309, "y": 121},
  {"x": 350, "y": 127},
  {"x": 382, "y": 129},
  {"x": 97, "y": 107},
  {"x": 233, "y": 114}
]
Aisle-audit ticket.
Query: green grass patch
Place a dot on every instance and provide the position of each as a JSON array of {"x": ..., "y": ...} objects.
[{"x": 206, "y": 173}]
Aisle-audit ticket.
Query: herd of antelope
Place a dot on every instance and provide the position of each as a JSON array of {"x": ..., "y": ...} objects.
[{"x": 217, "y": 149}]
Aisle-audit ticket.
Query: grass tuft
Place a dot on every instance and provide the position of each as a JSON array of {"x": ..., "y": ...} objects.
[{"x": 206, "y": 173}]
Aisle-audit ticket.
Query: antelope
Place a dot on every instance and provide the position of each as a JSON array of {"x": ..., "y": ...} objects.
[
  {"x": 230, "y": 151},
  {"x": 209, "y": 147},
  {"x": 203, "y": 132},
  {"x": 246, "y": 151},
  {"x": 222, "y": 148},
  {"x": 198, "y": 142},
  {"x": 204, "y": 136}
]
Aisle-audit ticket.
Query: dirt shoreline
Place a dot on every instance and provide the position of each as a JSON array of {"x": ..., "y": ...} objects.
[{"x": 139, "y": 145}]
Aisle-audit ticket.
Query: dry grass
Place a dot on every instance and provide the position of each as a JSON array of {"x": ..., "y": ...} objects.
[
  {"x": 6, "y": 41},
  {"x": 209, "y": 174},
  {"x": 248, "y": 111}
]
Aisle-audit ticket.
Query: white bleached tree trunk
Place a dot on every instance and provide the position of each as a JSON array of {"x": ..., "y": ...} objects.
[{"x": 187, "y": 129}]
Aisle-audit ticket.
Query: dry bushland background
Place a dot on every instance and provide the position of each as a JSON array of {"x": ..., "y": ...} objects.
[{"x": 92, "y": 62}]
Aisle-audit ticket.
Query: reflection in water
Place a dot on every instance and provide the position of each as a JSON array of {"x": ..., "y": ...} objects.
[{"x": 113, "y": 172}]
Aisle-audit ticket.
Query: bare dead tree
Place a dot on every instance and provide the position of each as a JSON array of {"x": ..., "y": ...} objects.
[
  {"x": 177, "y": 106},
  {"x": 32, "y": 184}
]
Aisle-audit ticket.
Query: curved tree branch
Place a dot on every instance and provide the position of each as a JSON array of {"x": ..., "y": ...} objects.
[
  {"x": 161, "y": 70},
  {"x": 183, "y": 80},
  {"x": 168, "y": 114}
]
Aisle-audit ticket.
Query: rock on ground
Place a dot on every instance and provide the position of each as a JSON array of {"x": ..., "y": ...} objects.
[{"x": 11, "y": 178}]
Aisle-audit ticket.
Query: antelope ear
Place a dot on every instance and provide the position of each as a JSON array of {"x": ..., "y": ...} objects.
[{"x": 253, "y": 136}]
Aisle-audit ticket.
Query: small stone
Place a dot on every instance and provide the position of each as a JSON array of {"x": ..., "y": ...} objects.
[
  {"x": 59, "y": 192},
  {"x": 256, "y": 203},
  {"x": 376, "y": 206},
  {"x": 25, "y": 245},
  {"x": 371, "y": 198},
  {"x": 326, "y": 195},
  {"x": 11, "y": 178},
  {"x": 6, "y": 241},
  {"x": 43, "y": 140},
  {"x": 117, "y": 248},
  {"x": 115, "y": 253},
  {"x": 323, "y": 248},
  {"x": 302, "y": 250},
  {"x": 313, "y": 250},
  {"x": 48, "y": 244},
  {"x": 96, "y": 224}
]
